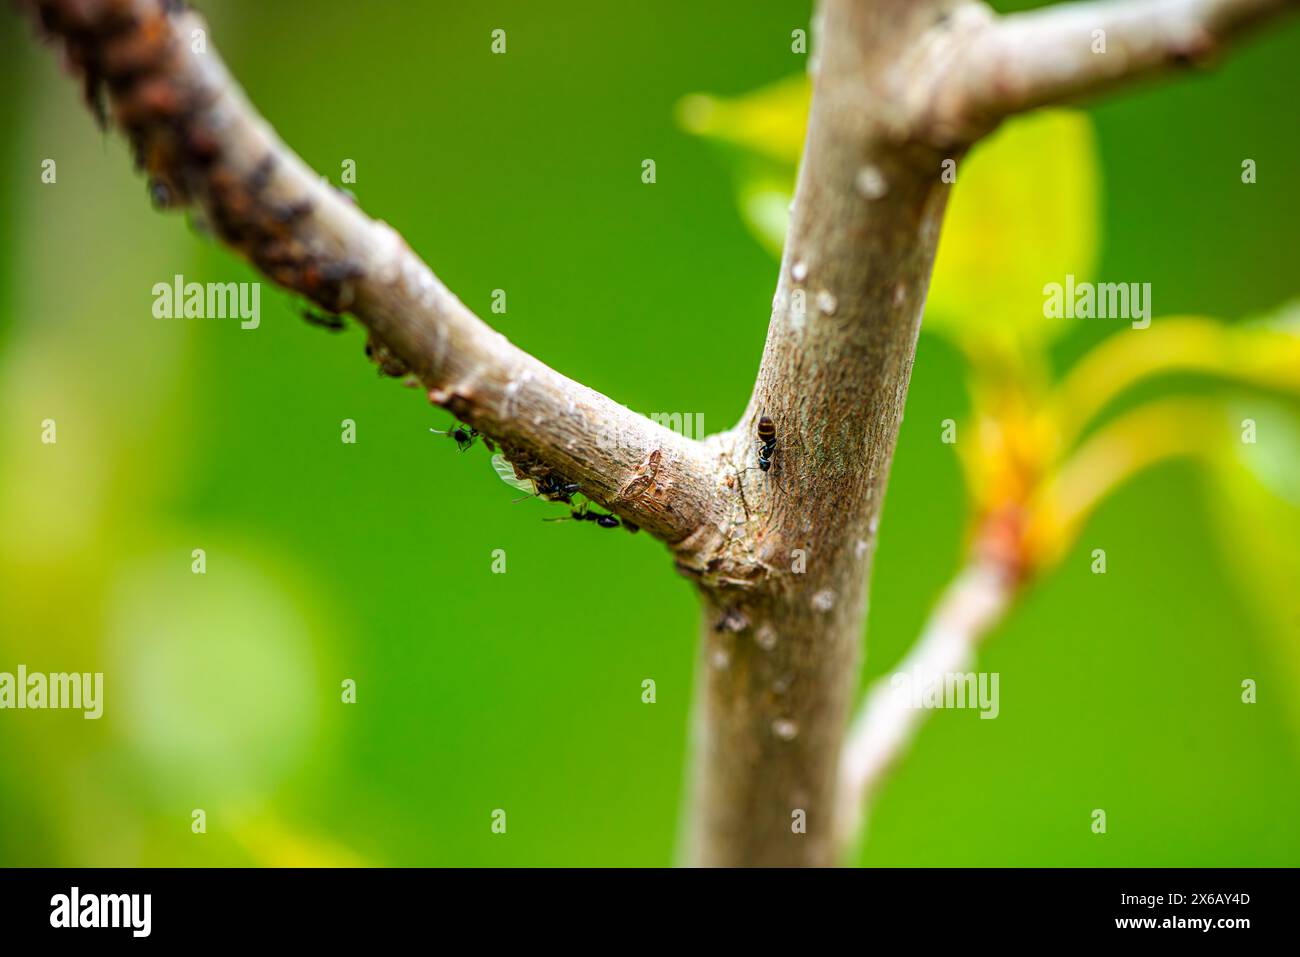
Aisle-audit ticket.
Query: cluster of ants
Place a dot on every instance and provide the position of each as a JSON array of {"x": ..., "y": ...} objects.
[
  {"x": 549, "y": 487},
  {"x": 554, "y": 488}
]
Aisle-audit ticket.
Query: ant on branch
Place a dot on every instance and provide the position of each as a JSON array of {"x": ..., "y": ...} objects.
[
  {"x": 329, "y": 321},
  {"x": 554, "y": 488},
  {"x": 766, "y": 432},
  {"x": 583, "y": 513},
  {"x": 767, "y": 436},
  {"x": 463, "y": 435},
  {"x": 550, "y": 487}
]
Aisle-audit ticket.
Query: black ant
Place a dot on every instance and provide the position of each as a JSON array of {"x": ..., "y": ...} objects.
[
  {"x": 766, "y": 431},
  {"x": 583, "y": 514},
  {"x": 464, "y": 436},
  {"x": 330, "y": 322},
  {"x": 767, "y": 436},
  {"x": 549, "y": 487},
  {"x": 553, "y": 488}
]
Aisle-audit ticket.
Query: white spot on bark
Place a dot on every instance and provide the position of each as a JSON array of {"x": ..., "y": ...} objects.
[
  {"x": 900, "y": 294},
  {"x": 826, "y": 302},
  {"x": 799, "y": 271},
  {"x": 824, "y": 600},
  {"x": 720, "y": 659},
  {"x": 426, "y": 288},
  {"x": 860, "y": 548},
  {"x": 930, "y": 229},
  {"x": 871, "y": 182},
  {"x": 785, "y": 729},
  {"x": 766, "y": 637},
  {"x": 512, "y": 390}
]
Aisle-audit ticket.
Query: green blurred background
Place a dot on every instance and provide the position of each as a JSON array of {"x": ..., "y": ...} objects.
[{"x": 372, "y": 561}]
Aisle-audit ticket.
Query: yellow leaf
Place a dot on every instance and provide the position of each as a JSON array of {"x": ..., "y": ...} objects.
[
  {"x": 1023, "y": 213},
  {"x": 768, "y": 122}
]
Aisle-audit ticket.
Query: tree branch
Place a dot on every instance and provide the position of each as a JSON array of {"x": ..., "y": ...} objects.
[
  {"x": 200, "y": 140},
  {"x": 781, "y": 655},
  {"x": 989, "y": 67}
]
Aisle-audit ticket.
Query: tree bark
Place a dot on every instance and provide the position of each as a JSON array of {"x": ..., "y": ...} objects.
[{"x": 782, "y": 649}]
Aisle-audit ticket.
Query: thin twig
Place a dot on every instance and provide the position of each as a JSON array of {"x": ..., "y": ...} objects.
[{"x": 990, "y": 67}]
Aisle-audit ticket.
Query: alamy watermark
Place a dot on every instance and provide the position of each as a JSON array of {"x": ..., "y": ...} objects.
[
  {"x": 689, "y": 425},
  {"x": 75, "y": 909},
  {"x": 1106, "y": 300},
  {"x": 213, "y": 300},
  {"x": 76, "y": 690},
  {"x": 950, "y": 690},
  {"x": 685, "y": 424}
]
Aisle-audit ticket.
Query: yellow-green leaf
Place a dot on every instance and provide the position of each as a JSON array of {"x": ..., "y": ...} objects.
[
  {"x": 768, "y": 122},
  {"x": 1023, "y": 213}
]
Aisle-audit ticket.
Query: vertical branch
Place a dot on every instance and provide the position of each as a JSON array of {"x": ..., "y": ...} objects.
[{"x": 781, "y": 649}]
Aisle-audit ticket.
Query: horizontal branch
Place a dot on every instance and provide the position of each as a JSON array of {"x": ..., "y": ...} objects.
[
  {"x": 200, "y": 141},
  {"x": 991, "y": 67}
]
